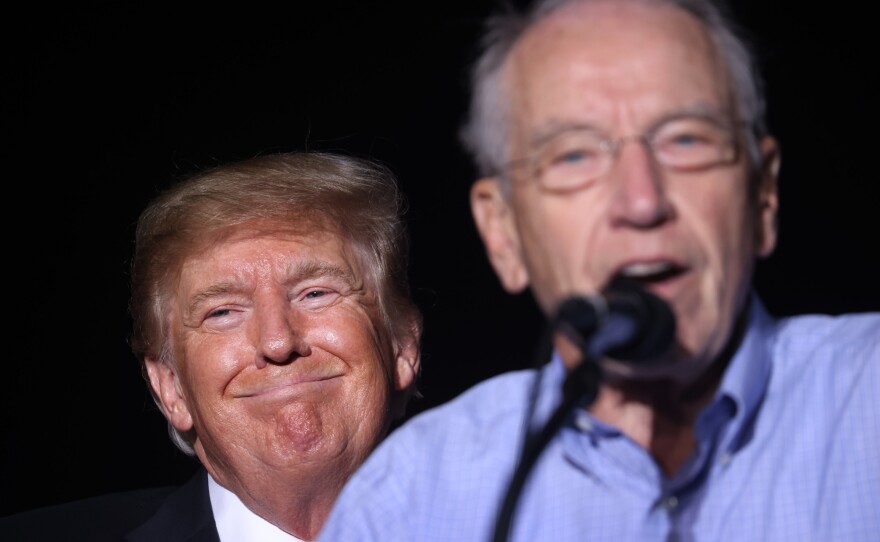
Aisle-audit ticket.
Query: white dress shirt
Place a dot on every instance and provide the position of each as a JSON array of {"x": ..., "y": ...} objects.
[{"x": 237, "y": 523}]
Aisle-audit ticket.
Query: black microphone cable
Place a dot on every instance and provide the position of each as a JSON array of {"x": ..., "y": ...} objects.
[
  {"x": 640, "y": 326},
  {"x": 580, "y": 384}
]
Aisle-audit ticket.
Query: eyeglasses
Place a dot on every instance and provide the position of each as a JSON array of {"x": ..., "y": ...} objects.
[{"x": 573, "y": 158}]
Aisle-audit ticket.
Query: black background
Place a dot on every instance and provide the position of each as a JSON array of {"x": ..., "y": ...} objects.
[{"x": 107, "y": 103}]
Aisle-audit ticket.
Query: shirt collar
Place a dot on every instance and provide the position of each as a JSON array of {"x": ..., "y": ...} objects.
[
  {"x": 237, "y": 523},
  {"x": 744, "y": 382},
  {"x": 746, "y": 377}
]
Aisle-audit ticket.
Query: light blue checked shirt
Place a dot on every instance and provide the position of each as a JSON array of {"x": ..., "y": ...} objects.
[{"x": 789, "y": 450}]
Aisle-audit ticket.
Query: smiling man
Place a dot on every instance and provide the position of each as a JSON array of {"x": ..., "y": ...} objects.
[
  {"x": 271, "y": 310},
  {"x": 624, "y": 140}
]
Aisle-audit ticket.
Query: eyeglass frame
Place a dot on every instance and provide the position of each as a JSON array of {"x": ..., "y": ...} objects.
[{"x": 611, "y": 146}]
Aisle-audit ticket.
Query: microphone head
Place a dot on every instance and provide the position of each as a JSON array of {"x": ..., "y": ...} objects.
[
  {"x": 653, "y": 322},
  {"x": 626, "y": 322}
]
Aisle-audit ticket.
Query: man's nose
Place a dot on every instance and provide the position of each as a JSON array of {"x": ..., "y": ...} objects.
[
  {"x": 281, "y": 335},
  {"x": 640, "y": 197}
]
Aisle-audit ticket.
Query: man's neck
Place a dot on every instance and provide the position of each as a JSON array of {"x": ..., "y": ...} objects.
[
  {"x": 657, "y": 415},
  {"x": 296, "y": 505},
  {"x": 660, "y": 415}
]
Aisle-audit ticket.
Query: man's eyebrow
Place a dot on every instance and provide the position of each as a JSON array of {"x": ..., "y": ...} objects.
[
  {"x": 552, "y": 129},
  {"x": 306, "y": 270},
  {"x": 699, "y": 110},
  {"x": 316, "y": 268},
  {"x": 214, "y": 290}
]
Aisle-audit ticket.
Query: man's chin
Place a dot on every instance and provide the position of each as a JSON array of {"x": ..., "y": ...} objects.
[
  {"x": 669, "y": 368},
  {"x": 688, "y": 378}
]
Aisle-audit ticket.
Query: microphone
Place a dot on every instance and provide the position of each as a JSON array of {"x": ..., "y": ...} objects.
[{"x": 624, "y": 322}]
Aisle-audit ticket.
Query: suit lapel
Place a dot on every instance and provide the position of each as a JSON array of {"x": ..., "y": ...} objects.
[{"x": 185, "y": 516}]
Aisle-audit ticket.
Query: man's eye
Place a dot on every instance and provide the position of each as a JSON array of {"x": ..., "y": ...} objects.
[
  {"x": 685, "y": 140},
  {"x": 574, "y": 156},
  {"x": 219, "y": 313},
  {"x": 318, "y": 298}
]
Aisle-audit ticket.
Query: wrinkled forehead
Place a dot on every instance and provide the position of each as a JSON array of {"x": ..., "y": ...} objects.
[
  {"x": 611, "y": 59},
  {"x": 305, "y": 225},
  {"x": 324, "y": 234}
]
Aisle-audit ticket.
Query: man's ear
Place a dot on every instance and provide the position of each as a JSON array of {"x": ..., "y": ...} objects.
[
  {"x": 407, "y": 365},
  {"x": 495, "y": 223},
  {"x": 166, "y": 386},
  {"x": 767, "y": 198}
]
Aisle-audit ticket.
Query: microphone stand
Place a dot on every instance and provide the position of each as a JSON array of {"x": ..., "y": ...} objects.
[{"x": 580, "y": 387}]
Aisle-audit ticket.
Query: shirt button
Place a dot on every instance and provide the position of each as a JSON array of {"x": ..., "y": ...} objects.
[
  {"x": 583, "y": 422},
  {"x": 724, "y": 459},
  {"x": 670, "y": 503}
]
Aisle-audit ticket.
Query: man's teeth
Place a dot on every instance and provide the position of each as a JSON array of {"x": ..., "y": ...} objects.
[{"x": 638, "y": 270}]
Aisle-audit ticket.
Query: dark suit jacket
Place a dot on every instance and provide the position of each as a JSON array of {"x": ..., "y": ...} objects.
[{"x": 166, "y": 514}]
